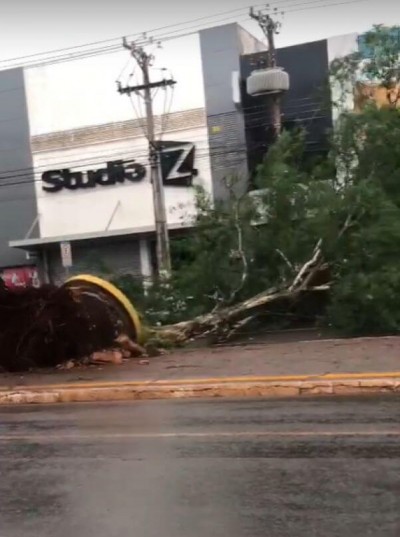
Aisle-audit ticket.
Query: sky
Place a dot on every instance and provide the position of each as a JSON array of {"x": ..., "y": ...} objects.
[{"x": 31, "y": 26}]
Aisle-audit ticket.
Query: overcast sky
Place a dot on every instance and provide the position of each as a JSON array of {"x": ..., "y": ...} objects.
[{"x": 30, "y": 26}]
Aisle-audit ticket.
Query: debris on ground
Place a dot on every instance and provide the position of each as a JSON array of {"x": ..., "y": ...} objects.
[
  {"x": 67, "y": 366},
  {"x": 130, "y": 348},
  {"x": 107, "y": 357}
]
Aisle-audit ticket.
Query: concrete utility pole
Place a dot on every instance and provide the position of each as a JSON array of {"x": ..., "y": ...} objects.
[
  {"x": 270, "y": 28},
  {"x": 144, "y": 61}
]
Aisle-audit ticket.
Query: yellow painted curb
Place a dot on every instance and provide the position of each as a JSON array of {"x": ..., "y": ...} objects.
[
  {"x": 118, "y": 295},
  {"x": 250, "y": 387},
  {"x": 211, "y": 380}
]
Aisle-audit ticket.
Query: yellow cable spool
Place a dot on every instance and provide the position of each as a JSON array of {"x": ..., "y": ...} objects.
[{"x": 122, "y": 300}]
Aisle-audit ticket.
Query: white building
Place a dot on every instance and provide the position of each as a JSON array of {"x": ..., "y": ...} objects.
[
  {"x": 77, "y": 167},
  {"x": 74, "y": 159},
  {"x": 92, "y": 188}
]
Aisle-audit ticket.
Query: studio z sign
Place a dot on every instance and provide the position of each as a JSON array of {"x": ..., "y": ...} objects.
[
  {"x": 114, "y": 172},
  {"x": 177, "y": 166}
]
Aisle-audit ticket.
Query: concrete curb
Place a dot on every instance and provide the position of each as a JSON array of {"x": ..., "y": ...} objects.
[{"x": 268, "y": 387}]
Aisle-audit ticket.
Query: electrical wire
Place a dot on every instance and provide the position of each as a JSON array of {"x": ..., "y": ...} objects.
[
  {"x": 110, "y": 48},
  {"x": 142, "y": 35},
  {"x": 160, "y": 38},
  {"x": 252, "y": 112},
  {"x": 93, "y": 160},
  {"x": 124, "y": 69},
  {"x": 235, "y": 153},
  {"x": 255, "y": 116},
  {"x": 163, "y": 114},
  {"x": 167, "y": 110},
  {"x": 137, "y": 35},
  {"x": 209, "y": 152},
  {"x": 139, "y": 117},
  {"x": 348, "y": 2}
]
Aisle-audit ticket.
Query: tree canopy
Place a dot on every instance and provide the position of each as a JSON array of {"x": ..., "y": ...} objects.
[{"x": 343, "y": 210}]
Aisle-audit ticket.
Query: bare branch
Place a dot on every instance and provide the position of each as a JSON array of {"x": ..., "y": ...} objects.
[
  {"x": 313, "y": 263},
  {"x": 230, "y": 185},
  {"x": 286, "y": 260},
  {"x": 241, "y": 252}
]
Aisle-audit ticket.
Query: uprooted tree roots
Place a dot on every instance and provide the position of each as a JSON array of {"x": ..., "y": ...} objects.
[
  {"x": 41, "y": 328},
  {"x": 48, "y": 326}
]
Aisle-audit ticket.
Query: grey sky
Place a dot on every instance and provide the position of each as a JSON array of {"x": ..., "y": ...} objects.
[{"x": 30, "y": 26}]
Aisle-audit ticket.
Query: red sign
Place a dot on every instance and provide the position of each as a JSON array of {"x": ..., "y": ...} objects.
[{"x": 20, "y": 277}]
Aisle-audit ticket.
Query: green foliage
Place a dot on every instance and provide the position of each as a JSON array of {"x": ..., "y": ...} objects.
[
  {"x": 367, "y": 303},
  {"x": 285, "y": 202},
  {"x": 349, "y": 202},
  {"x": 133, "y": 287},
  {"x": 365, "y": 266},
  {"x": 378, "y": 63},
  {"x": 383, "y": 62},
  {"x": 158, "y": 303},
  {"x": 255, "y": 241},
  {"x": 213, "y": 266},
  {"x": 279, "y": 227},
  {"x": 367, "y": 148}
]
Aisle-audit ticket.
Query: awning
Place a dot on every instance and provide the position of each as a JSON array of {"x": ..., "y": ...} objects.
[{"x": 29, "y": 244}]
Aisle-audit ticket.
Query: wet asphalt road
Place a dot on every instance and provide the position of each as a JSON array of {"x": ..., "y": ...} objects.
[{"x": 315, "y": 468}]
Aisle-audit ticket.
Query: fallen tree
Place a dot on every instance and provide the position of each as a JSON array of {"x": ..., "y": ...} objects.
[
  {"x": 315, "y": 230},
  {"x": 246, "y": 258},
  {"x": 312, "y": 277},
  {"x": 254, "y": 252},
  {"x": 225, "y": 322}
]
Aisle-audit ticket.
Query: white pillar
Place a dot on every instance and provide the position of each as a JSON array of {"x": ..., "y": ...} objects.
[{"x": 145, "y": 259}]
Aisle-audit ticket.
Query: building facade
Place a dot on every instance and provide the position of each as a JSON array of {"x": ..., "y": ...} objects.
[{"x": 74, "y": 160}]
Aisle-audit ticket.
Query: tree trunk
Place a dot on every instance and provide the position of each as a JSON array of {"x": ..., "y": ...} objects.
[{"x": 228, "y": 320}]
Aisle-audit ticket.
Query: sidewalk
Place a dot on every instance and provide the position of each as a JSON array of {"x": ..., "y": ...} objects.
[{"x": 292, "y": 365}]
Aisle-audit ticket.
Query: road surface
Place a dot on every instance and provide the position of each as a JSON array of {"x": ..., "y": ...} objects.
[{"x": 219, "y": 468}]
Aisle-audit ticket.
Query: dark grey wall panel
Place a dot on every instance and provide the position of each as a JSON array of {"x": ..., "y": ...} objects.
[
  {"x": 221, "y": 48},
  {"x": 18, "y": 208},
  {"x": 305, "y": 104},
  {"x": 307, "y": 101}
]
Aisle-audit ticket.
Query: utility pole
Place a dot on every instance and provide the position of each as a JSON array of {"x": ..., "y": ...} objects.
[
  {"x": 144, "y": 61},
  {"x": 270, "y": 28}
]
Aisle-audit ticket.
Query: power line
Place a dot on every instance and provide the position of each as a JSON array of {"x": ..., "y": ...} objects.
[
  {"x": 142, "y": 39},
  {"x": 102, "y": 157},
  {"x": 110, "y": 49},
  {"x": 233, "y": 152},
  {"x": 226, "y": 166},
  {"x": 141, "y": 35},
  {"x": 250, "y": 112},
  {"x": 208, "y": 152},
  {"x": 348, "y": 2},
  {"x": 253, "y": 116},
  {"x": 132, "y": 36}
]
